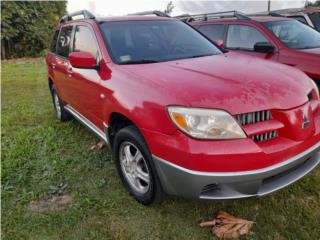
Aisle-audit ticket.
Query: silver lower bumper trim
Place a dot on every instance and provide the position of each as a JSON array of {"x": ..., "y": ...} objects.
[{"x": 177, "y": 180}]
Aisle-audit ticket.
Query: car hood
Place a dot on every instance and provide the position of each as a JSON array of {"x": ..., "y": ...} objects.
[{"x": 234, "y": 82}]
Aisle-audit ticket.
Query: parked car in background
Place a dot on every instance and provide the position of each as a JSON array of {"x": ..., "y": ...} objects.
[
  {"x": 182, "y": 116},
  {"x": 273, "y": 38},
  {"x": 309, "y": 16}
]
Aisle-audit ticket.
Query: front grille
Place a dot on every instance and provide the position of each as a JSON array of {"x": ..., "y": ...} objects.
[
  {"x": 254, "y": 117},
  {"x": 257, "y": 117}
]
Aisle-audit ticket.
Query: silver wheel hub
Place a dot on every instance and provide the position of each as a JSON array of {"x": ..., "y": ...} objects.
[
  {"x": 57, "y": 104},
  {"x": 134, "y": 167}
]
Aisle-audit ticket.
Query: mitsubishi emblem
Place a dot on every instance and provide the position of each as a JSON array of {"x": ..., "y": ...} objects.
[{"x": 306, "y": 122}]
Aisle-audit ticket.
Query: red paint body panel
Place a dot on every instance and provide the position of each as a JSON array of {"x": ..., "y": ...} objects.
[{"x": 234, "y": 82}]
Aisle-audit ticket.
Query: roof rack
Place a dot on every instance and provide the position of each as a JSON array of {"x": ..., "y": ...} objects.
[
  {"x": 216, "y": 15},
  {"x": 155, "y": 12},
  {"x": 272, "y": 14},
  {"x": 86, "y": 15}
]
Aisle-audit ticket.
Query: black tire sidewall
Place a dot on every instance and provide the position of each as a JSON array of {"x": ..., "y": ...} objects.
[
  {"x": 131, "y": 134},
  {"x": 64, "y": 116}
]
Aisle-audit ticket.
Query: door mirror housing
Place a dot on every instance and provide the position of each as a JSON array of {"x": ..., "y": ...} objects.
[
  {"x": 219, "y": 42},
  {"x": 264, "y": 47},
  {"x": 82, "y": 60}
]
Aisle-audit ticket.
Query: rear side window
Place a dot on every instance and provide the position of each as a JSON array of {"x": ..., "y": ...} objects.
[
  {"x": 53, "y": 45},
  {"x": 64, "y": 40},
  {"x": 243, "y": 37},
  {"x": 84, "y": 41},
  {"x": 216, "y": 31}
]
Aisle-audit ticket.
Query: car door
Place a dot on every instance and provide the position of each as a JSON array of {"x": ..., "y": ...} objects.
[
  {"x": 86, "y": 83},
  {"x": 242, "y": 38},
  {"x": 60, "y": 63}
]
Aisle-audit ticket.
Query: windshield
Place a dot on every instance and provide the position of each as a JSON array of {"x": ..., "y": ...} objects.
[
  {"x": 294, "y": 34},
  {"x": 315, "y": 18},
  {"x": 135, "y": 42}
]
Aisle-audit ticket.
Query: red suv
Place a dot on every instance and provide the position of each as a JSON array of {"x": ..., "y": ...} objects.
[
  {"x": 275, "y": 38},
  {"x": 182, "y": 116}
]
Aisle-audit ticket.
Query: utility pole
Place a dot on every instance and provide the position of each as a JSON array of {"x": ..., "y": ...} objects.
[{"x": 269, "y": 5}]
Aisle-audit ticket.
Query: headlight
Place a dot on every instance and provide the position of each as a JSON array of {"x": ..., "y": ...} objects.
[
  {"x": 315, "y": 88},
  {"x": 205, "y": 123}
]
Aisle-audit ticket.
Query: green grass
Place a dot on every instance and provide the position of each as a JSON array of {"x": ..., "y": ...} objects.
[{"x": 39, "y": 154}]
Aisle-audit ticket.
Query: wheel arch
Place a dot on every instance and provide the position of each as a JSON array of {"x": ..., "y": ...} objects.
[{"x": 116, "y": 122}]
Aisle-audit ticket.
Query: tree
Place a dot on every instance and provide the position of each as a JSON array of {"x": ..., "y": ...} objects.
[
  {"x": 169, "y": 8},
  {"x": 27, "y": 26},
  {"x": 313, "y": 4}
]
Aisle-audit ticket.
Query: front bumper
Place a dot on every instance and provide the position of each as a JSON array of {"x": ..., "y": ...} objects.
[{"x": 180, "y": 181}]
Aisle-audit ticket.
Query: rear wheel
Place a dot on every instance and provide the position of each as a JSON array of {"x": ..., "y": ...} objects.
[
  {"x": 61, "y": 114},
  {"x": 135, "y": 166}
]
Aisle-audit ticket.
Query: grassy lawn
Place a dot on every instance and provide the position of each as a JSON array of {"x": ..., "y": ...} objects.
[{"x": 41, "y": 156}]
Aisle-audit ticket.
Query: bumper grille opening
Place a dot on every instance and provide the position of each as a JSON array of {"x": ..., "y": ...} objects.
[
  {"x": 265, "y": 136},
  {"x": 209, "y": 188}
]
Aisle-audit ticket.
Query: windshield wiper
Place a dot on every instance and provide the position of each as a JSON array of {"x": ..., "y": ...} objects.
[{"x": 141, "y": 61}]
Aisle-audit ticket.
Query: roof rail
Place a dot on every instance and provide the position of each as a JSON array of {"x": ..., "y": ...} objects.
[
  {"x": 272, "y": 14},
  {"x": 155, "y": 12},
  {"x": 216, "y": 15},
  {"x": 86, "y": 15}
]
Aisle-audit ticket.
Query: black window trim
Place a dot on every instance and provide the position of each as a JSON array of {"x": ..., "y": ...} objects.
[{"x": 55, "y": 50}]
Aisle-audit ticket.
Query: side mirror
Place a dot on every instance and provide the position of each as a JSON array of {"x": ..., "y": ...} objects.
[
  {"x": 219, "y": 42},
  {"x": 82, "y": 60},
  {"x": 264, "y": 47}
]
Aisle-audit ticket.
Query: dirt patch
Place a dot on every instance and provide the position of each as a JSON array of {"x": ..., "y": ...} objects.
[{"x": 52, "y": 203}]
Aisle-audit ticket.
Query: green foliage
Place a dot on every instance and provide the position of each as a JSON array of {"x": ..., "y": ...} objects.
[
  {"x": 28, "y": 25},
  {"x": 313, "y": 4}
]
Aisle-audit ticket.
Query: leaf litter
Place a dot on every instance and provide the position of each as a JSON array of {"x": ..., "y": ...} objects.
[{"x": 226, "y": 226}]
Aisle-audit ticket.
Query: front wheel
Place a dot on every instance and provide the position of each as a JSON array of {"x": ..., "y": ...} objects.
[{"x": 135, "y": 167}]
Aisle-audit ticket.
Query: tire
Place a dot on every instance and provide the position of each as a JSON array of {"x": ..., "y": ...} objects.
[
  {"x": 61, "y": 114},
  {"x": 137, "y": 171}
]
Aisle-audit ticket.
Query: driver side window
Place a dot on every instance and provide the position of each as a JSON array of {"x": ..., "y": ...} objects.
[{"x": 243, "y": 37}]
